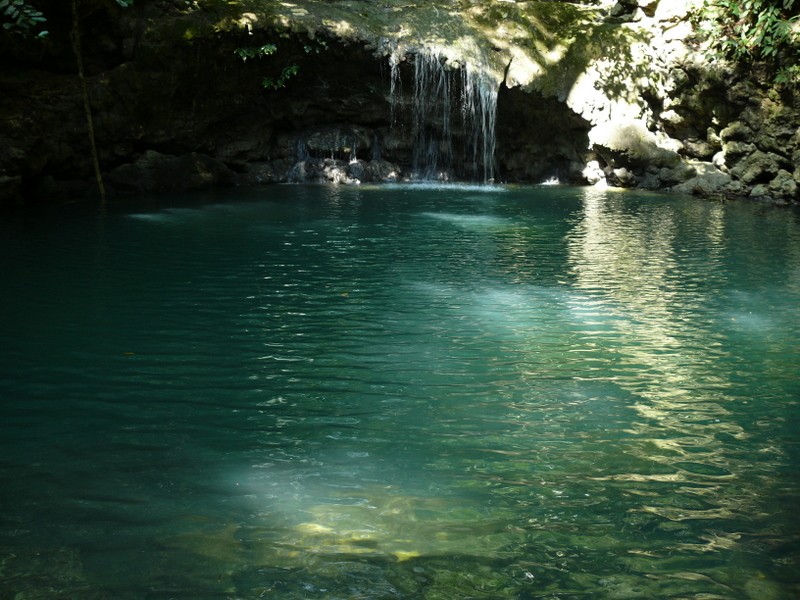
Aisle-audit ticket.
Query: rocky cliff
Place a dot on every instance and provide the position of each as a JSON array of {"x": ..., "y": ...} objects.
[{"x": 192, "y": 94}]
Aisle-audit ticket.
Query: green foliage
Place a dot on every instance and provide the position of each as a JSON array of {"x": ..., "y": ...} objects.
[
  {"x": 275, "y": 83},
  {"x": 766, "y": 30},
  {"x": 253, "y": 52},
  {"x": 289, "y": 71},
  {"x": 20, "y": 16}
]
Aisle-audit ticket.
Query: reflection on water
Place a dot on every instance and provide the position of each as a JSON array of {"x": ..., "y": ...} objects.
[
  {"x": 402, "y": 392},
  {"x": 630, "y": 260}
]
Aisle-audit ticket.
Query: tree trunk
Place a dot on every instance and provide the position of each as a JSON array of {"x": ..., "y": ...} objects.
[{"x": 76, "y": 48}]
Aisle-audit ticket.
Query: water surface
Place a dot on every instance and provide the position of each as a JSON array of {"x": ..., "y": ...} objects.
[{"x": 401, "y": 392}]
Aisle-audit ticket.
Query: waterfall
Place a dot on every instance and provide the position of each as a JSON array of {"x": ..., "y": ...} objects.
[
  {"x": 452, "y": 120},
  {"x": 479, "y": 112},
  {"x": 433, "y": 139},
  {"x": 395, "y": 86}
]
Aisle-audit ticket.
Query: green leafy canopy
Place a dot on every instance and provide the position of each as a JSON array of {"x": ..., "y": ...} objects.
[
  {"x": 18, "y": 15},
  {"x": 764, "y": 30}
]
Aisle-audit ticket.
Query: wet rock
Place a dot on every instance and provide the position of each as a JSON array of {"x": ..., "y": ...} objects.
[
  {"x": 382, "y": 171},
  {"x": 760, "y": 192},
  {"x": 329, "y": 170},
  {"x": 321, "y": 170},
  {"x": 340, "y": 142},
  {"x": 241, "y": 151},
  {"x": 156, "y": 172},
  {"x": 261, "y": 172}
]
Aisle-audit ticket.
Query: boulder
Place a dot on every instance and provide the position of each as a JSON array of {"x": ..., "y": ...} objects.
[
  {"x": 736, "y": 131},
  {"x": 631, "y": 145},
  {"x": 593, "y": 173},
  {"x": 760, "y": 192},
  {"x": 670, "y": 176},
  {"x": 621, "y": 177},
  {"x": 264, "y": 172},
  {"x": 695, "y": 148},
  {"x": 733, "y": 152},
  {"x": 757, "y": 167},
  {"x": 783, "y": 187},
  {"x": 707, "y": 181},
  {"x": 382, "y": 171},
  {"x": 321, "y": 170}
]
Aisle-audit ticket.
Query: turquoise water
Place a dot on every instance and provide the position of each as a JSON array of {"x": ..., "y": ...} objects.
[{"x": 401, "y": 392}]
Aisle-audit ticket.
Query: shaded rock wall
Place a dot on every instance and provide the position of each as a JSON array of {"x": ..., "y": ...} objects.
[{"x": 612, "y": 94}]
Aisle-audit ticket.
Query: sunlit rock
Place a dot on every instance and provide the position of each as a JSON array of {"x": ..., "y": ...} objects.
[
  {"x": 631, "y": 144},
  {"x": 593, "y": 173}
]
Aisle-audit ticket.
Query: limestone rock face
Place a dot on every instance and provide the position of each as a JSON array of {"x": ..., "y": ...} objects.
[{"x": 603, "y": 92}]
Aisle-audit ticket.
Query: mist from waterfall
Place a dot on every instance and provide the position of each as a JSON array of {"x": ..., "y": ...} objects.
[{"x": 452, "y": 117}]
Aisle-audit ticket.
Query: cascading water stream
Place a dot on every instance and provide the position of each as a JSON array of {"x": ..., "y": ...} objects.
[
  {"x": 433, "y": 138},
  {"x": 479, "y": 112},
  {"x": 452, "y": 117}
]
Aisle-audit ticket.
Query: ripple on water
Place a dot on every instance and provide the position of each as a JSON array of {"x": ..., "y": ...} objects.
[{"x": 403, "y": 392}]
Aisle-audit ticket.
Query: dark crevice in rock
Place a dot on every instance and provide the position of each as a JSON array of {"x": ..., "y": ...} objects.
[{"x": 539, "y": 138}]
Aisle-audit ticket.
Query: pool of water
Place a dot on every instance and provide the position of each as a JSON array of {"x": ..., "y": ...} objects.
[{"x": 431, "y": 392}]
